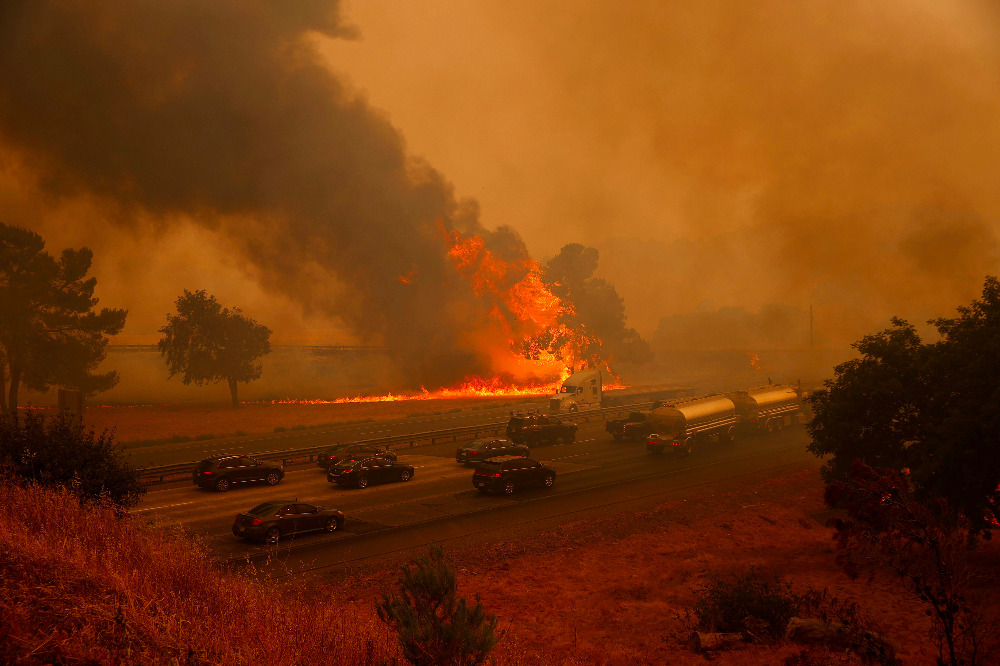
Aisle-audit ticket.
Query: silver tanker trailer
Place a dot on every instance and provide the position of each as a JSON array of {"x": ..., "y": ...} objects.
[{"x": 680, "y": 426}]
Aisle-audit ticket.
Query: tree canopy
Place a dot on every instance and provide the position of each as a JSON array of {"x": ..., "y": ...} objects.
[
  {"x": 597, "y": 309},
  {"x": 49, "y": 331},
  {"x": 208, "y": 343},
  {"x": 931, "y": 409}
]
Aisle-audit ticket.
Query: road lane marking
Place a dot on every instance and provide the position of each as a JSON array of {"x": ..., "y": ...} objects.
[{"x": 166, "y": 506}]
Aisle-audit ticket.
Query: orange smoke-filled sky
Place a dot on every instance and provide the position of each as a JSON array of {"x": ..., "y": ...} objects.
[{"x": 830, "y": 153}]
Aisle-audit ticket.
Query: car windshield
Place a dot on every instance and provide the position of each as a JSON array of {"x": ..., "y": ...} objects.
[
  {"x": 478, "y": 444},
  {"x": 337, "y": 449},
  {"x": 206, "y": 465}
]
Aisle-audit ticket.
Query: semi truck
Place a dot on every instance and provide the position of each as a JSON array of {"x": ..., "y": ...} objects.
[
  {"x": 585, "y": 390},
  {"x": 767, "y": 408},
  {"x": 682, "y": 425},
  {"x": 581, "y": 390}
]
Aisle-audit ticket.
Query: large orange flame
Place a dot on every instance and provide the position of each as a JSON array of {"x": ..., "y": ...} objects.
[{"x": 530, "y": 349}]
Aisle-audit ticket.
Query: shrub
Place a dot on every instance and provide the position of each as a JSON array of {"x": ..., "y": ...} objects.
[
  {"x": 61, "y": 452},
  {"x": 751, "y": 603},
  {"x": 858, "y": 633},
  {"x": 433, "y": 624}
]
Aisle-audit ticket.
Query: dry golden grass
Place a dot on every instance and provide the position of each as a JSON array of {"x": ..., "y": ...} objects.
[{"x": 78, "y": 585}]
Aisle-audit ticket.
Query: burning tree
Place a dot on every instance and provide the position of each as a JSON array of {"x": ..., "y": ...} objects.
[
  {"x": 49, "y": 331},
  {"x": 209, "y": 343},
  {"x": 593, "y": 309}
]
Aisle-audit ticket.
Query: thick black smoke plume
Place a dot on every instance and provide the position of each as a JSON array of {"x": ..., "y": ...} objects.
[{"x": 222, "y": 112}]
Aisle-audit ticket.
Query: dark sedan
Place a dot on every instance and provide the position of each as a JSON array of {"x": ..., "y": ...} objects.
[
  {"x": 508, "y": 473},
  {"x": 489, "y": 447},
  {"x": 345, "y": 452},
  {"x": 271, "y": 521},
  {"x": 222, "y": 472},
  {"x": 360, "y": 473}
]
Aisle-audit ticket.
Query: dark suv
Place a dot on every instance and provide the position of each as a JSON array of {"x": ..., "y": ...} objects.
[
  {"x": 222, "y": 472},
  {"x": 532, "y": 428},
  {"x": 490, "y": 447},
  {"x": 509, "y": 473},
  {"x": 343, "y": 452}
]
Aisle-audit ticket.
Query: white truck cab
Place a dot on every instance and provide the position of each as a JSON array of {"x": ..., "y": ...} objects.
[{"x": 581, "y": 390}]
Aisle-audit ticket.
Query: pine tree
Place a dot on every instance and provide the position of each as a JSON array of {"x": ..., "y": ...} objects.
[{"x": 434, "y": 625}]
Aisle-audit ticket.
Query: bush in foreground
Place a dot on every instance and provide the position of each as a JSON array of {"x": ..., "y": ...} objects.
[
  {"x": 61, "y": 452},
  {"x": 751, "y": 603}
]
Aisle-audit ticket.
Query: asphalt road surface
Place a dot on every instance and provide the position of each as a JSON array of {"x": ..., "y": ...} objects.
[{"x": 595, "y": 474}]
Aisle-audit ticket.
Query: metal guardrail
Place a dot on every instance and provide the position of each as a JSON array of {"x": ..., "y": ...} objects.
[{"x": 162, "y": 473}]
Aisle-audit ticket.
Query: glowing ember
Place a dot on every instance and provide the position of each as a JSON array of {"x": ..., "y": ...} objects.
[{"x": 754, "y": 361}]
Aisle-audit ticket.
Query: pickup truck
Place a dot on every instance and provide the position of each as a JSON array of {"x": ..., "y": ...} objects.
[
  {"x": 532, "y": 428},
  {"x": 634, "y": 428}
]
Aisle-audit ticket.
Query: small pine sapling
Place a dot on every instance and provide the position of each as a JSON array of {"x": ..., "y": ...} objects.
[{"x": 433, "y": 624}]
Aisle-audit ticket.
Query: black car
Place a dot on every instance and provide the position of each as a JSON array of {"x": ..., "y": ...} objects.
[
  {"x": 489, "y": 447},
  {"x": 368, "y": 470},
  {"x": 533, "y": 429},
  {"x": 222, "y": 472},
  {"x": 508, "y": 473},
  {"x": 344, "y": 452},
  {"x": 270, "y": 521}
]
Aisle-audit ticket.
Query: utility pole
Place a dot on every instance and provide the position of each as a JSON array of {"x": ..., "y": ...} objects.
[{"x": 810, "y": 326}]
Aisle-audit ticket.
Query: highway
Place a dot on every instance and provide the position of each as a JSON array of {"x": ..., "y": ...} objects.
[
  {"x": 595, "y": 473},
  {"x": 261, "y": 444}
]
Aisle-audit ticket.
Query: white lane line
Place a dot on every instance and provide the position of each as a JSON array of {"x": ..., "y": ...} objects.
[{"x": 165, "y": 506}]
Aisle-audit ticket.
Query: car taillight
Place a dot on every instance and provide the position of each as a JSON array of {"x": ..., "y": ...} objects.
[
  {"x": 207, "y": 473},
  {"x": 256, "y": 521}
]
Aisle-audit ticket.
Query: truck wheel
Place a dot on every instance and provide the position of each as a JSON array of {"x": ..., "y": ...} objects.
[
  {"x": 574, "y": 408},
  {"x": 617, "y": 436},
  {"x": 688, "y": 446}
]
